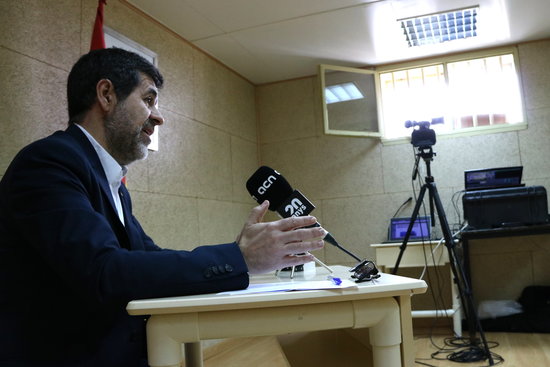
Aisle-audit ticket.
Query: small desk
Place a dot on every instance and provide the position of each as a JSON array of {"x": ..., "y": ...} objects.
[
  {"x": 476, "y": 234},
  {"x": 415, "y": 255},
  {"x": 517, "y": 256},
  {"x": 505, "y": 231},
  {"x": 382, "y": 306}
]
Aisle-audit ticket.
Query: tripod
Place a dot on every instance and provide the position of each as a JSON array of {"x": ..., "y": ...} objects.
[{"x": 426, "y": 153}]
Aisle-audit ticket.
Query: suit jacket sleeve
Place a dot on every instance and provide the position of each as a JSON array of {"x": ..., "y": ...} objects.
[{"x": 61, "y": 217}]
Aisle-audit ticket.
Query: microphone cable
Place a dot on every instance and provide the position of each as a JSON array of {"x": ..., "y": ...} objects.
[
  {"x": 401, "y": 206},
  {"x": 335, "y": 243},
  {"x": 330, "y": 239},
  {"x": 457, "y": 349}
]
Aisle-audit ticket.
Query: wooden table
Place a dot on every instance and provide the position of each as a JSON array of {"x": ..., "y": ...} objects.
[{"x": 383, "y": 306}]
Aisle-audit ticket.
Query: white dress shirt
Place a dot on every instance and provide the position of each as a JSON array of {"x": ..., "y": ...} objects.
[{"x": 114, "y": 171}]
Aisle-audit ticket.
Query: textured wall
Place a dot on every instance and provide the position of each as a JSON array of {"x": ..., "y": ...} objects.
[
  {"x": 357, "y": 183},
  {"x": 192, "y": 190}
]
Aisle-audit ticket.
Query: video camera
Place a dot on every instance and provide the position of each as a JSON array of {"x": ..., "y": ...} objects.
[{"x": 423, "y": 137}]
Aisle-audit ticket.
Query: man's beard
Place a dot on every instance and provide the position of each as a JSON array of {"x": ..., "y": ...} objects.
[{"x": 125, "y": 143}]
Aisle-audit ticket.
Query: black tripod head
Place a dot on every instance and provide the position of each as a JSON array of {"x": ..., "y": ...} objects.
[{"x": 423, "y": 138}]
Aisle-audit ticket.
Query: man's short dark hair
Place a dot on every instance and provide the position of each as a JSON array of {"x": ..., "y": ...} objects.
[{"x": 121, "y": 67}]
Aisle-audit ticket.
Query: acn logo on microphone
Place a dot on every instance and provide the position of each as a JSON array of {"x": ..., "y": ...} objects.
[{"x": 267, "y": 183}]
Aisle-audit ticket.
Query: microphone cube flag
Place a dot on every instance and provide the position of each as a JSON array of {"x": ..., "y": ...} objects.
[{"x": 296, "y": 205}]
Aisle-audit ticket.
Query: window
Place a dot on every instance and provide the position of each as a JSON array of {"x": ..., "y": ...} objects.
[
  {"x": 466, "y": 95},
  {"x": 349, "y": 99}
]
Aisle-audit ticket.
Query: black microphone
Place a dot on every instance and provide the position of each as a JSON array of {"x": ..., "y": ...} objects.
[{"x": 268, "y": 184}]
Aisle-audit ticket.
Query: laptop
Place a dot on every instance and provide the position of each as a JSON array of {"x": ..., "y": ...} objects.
[
  {"x": 421, "y": 230},
  {"x": 493, "y": 178}
]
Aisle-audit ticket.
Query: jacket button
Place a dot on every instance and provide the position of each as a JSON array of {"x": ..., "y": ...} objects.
[
  {"x": 228, "y": 268},
  {"x": 208, "y": 273}
]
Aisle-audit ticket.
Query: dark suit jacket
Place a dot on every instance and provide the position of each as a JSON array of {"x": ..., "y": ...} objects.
[{"x": 68, "y": 266}]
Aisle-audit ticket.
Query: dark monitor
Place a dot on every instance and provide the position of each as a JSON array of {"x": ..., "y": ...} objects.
[{"x": 493, "y": 178}]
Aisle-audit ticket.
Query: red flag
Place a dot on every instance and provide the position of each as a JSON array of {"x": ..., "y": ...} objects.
[{"x": 98, "y": 38}]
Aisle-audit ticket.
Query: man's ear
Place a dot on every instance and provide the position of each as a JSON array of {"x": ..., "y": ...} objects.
[{"x": 106, "y": 96}]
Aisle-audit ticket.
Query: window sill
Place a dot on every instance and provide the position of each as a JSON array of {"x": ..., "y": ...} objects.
[{"x": 481, "y": 130}]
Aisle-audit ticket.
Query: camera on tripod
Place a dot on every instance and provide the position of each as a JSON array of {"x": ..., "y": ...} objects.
[{"x": 423, "y": 137}]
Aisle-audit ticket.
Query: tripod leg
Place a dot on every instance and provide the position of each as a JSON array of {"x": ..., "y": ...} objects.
[
  {"x": 409, "y": 229},
  {"x": 460, "y": 277}
]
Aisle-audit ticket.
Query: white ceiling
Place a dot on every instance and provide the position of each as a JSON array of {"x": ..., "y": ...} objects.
[{"x": 274, "y": 40}]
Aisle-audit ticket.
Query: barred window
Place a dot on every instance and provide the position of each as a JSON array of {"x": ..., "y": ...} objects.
[{"x": 480, "y": 93}]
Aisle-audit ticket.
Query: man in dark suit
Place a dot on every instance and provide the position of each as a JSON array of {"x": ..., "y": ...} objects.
[{"x": 72, "y": 255}]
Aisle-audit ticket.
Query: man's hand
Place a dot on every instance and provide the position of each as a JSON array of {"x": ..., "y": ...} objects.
[{"x": 273, "y": 245}]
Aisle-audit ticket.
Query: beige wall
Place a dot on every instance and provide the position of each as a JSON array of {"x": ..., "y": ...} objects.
[
  {"x": 190, "y": 192},
  {"x": 357, "y": 183}
]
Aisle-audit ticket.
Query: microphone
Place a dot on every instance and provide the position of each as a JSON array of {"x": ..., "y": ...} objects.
[{"x": 268, "y": 184}]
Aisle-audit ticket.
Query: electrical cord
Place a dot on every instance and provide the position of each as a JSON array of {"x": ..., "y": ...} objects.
[
  {"x": 425, "y": 271},
  {"x": 437, "y": 297},
  {"x": 455, "y": 200},
  {"x": 457, "y": 349},
  {"x": 461, "y": 350}
]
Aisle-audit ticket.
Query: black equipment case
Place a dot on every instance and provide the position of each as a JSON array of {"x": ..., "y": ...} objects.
[{"x": 505, "y": 207}]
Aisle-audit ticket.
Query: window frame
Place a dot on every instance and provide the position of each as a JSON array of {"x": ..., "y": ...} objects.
[
  {"x": 322, "y": 74},
  {"x": 444, "y": 60}
]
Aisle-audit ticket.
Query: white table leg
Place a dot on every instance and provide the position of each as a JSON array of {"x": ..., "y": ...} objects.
[
  {"x": 383, "y": 318},
  {"x": 164, "y": 335},
  {"x": 407, "y": 338}
]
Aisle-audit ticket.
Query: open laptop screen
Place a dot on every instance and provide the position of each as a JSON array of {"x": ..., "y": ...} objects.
[{"x": 420, "y": 230}]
